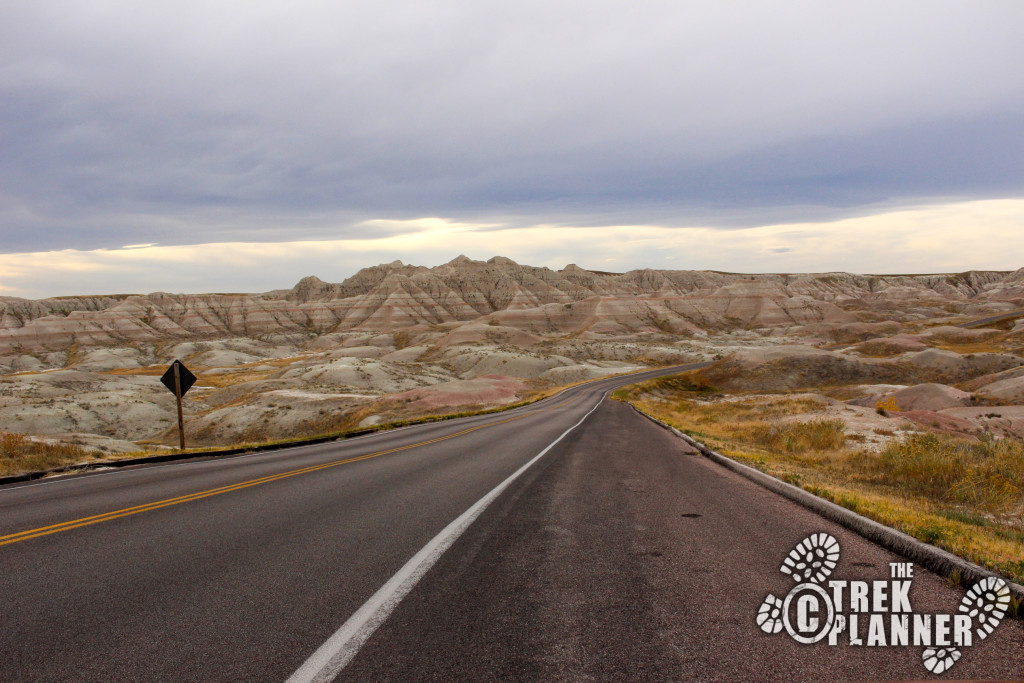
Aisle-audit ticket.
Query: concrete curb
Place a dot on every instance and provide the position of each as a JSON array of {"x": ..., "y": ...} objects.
[{"x": 935, "y": 559}]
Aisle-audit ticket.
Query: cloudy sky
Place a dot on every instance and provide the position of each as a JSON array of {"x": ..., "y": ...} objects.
[{"x": 239, "y": 145}]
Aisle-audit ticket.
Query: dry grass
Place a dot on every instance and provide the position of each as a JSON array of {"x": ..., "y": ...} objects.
[
  {"x": 999, "y": 342},
  {"x": 799, "y": 437},
  {"x": 154, "y": 370},
  {"x": 19, "y": 454},
  {"x": 965, "y": 496},
  {"x": 222, "y": 379},
  {"x": 403, "y": 339},
  {"x": 985, "y": 475}
]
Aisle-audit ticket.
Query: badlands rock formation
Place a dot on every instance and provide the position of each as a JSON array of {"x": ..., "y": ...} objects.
[
  {"x": 396, "y": 340},
  {"x": 500, "y": 293}
]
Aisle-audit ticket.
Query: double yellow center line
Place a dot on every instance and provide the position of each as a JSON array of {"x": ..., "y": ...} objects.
[{"x": 126, "y": 512}]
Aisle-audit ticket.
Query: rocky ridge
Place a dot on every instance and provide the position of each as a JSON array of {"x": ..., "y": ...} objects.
[{"x": 502, "y": 293}]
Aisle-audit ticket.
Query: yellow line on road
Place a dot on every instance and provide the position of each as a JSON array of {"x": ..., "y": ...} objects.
[{"x": 156, "y": 505}]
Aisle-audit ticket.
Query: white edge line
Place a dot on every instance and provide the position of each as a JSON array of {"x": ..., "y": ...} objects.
[
  {"x": 64, "y": 478},
  {"x": 331, "y": 657}
]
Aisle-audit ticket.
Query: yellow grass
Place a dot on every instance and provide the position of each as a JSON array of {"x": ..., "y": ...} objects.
[
  {"x": 20, "y": 454},
  {"x": 798, "y": 437}
]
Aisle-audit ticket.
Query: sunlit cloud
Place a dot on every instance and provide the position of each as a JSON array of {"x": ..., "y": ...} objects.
[{"x": 949, "y": 238}]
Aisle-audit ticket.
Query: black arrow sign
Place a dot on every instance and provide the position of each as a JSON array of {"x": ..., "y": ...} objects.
[{"x": 186, "y": 378}]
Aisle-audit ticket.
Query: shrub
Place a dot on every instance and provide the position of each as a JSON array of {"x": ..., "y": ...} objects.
[{"x": 886, "y": 406}]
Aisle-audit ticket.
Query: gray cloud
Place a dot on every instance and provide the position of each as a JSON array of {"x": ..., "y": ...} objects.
[{"x": 191, "y": 122}]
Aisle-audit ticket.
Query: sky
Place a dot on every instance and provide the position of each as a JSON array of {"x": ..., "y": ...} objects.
[{"x": 239, "y": 146}]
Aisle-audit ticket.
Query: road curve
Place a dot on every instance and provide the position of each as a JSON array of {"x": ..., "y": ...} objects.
[
  {"x": 623, "y": 557},
  {"x": 617, "y": 556},
  {"x": 992, "y": 319},
  {"x": 239, "y": 568}
]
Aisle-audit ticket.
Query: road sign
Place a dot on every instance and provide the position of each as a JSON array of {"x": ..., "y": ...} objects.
[
  {"x": 187, "y": 378},
  {"x": 179, "y": 380}
]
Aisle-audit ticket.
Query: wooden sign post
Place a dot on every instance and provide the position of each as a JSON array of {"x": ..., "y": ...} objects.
[{"x": 178, "y": 379}]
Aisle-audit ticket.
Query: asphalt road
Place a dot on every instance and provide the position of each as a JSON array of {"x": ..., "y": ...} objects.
[
  {"x": 993, "y": 319},
  {"x": 616, "y": 556},
  {"x": 239, "y": 568}
]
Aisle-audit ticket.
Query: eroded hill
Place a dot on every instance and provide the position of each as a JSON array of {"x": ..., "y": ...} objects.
[{"x": 396, "y": 340}]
